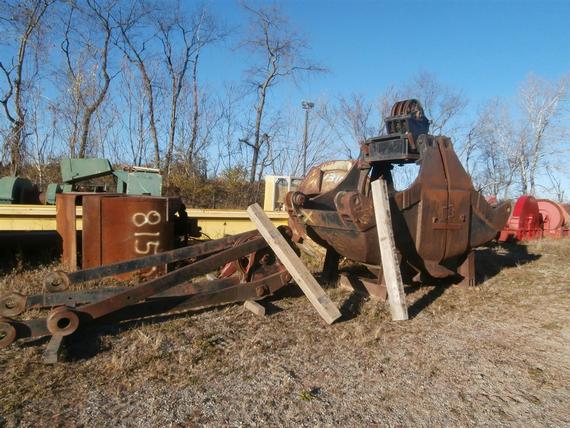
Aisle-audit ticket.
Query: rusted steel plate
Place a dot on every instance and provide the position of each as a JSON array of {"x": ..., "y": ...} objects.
[
  {"x": 66, "y": 224},
  {"x": 184, "y": 297},
  {"x": 184, "y": 253},
  {"x": 126, "y": 227}
]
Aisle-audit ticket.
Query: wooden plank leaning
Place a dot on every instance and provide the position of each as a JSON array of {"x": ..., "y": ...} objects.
[
  {"x": 390, "y": 263},
  {"x": 316, "y": 295}
]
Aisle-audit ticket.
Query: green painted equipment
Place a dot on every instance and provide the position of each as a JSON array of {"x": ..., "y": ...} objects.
[
  {"x": 76, "y": 170},
  {"x": 140, "y": 181},
  {"x": 17, "y": 190},
  {"x": 130, "y": 181}
]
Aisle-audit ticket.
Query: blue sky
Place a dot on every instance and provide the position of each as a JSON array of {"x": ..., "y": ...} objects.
[{"x": 484, "y": 48}]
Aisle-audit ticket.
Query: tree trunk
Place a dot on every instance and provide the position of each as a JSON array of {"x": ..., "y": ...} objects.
[
  {"x": 19, "y": 123},
  {"x": 171, "y": 135},
  {"x": 152, "y": 122},
  {"x": 195, "y": 114},
  {"x": 15, "y": 139},
  {"x": 256, "y": 147},
  {"x": 92, "y": 108},
  {"x": 523, "y": 176},
  {"x": 85, "y": 132}
]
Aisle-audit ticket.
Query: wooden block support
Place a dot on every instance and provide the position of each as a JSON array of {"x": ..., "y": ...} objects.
[
  {"x": 316, "y": 295},
  {"x": 254, "y": 307},
  {"x": 53, "y": 349},
  {"x": 390, "y": 263}
]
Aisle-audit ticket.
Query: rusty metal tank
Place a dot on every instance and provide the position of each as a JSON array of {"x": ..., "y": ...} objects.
[
  {"x": 436, "y": 221},
  {"x": 118, "y": 227}
]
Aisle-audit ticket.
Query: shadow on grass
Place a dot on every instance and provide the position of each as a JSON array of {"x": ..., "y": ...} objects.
[
  {"x": 25, "y": 251},
  {"x": 352, "y": 306},
  {"x": 427, "y": 299},
  {"x": 489, "y": 263}
]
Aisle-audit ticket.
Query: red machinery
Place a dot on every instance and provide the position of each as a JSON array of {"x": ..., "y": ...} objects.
[
  {"x": 525, "y": 222},
  {"x": 556, "y": 218},
  {"x": 534, "y": 219}
]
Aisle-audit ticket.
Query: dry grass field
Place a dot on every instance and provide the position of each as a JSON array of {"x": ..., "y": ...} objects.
[{"x": 495, "y": 354}]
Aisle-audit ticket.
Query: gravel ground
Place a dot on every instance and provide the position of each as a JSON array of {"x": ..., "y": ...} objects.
[{"x": 495, "y": 354}]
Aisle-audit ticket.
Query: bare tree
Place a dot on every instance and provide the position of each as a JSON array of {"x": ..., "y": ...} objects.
[
  {"x": 281, "y": 55},
  {"x": 442, "y": 104},
  {"x": 499, "y": 146},
  {"x": 350, "y": 120},
  {"x": 25, "y": 18},
  {"x": 133, "y": 127},
  {"x": 134, "y": 42},
  {"x": 230, "y": 154},
  {"x": 288, "y": 146},
  {"x": 88, "y": 74},
  {"x": 541, "y": 102},
  {"x": 40, "y": 147},
  {"x": 195, "y": 32},
  {"x": 557, "y": 187}
]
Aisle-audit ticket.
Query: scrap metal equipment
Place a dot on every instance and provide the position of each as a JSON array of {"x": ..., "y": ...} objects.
[
  {"x": 525, "y": 222},
  {"x": 535, "y": 219},
  {"x": 262, "y": 274},
  {"x": 555, "y": 217},
  {"x": 437, "y": 221},
  {"x": 118, "y": 227},
  {"x": 75, "y": 173}
]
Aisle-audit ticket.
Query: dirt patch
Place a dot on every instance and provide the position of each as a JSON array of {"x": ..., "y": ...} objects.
[{"x": 496, "y": 354}]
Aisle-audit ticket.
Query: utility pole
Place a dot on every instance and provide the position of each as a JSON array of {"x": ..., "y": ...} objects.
[{"x": 307, "y": 105}]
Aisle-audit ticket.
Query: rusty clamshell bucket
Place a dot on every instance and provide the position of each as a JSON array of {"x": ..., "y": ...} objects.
[{"x": 437, "y": 221}]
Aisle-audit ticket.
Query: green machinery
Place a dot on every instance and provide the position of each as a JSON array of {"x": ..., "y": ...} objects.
[
  {"x": 17, "y": 190},
  {"x": 75, "y": 173}
]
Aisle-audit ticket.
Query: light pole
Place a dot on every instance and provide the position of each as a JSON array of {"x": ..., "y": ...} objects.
[{"x": 307, "y": 105}]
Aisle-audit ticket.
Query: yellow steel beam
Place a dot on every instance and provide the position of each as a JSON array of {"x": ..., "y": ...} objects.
[
  {"x": 29, "y": 218},
  {"x": 218, "y": 223},
  {"x": 214, "y": 223}
]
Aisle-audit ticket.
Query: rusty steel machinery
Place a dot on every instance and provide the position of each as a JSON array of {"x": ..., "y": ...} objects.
[
  {"x": 120, "y": 227},
  {"x": 437, "y": 221},
  {"x": 129, "y": 237},
  {"x": 253, "y": 273}
]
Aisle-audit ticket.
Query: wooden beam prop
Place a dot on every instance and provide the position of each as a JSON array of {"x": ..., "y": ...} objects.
[
  {"x": 316, "y": 295},
  {"x": 390, "y": 263},
  {"x": 254, "y": 307}
]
